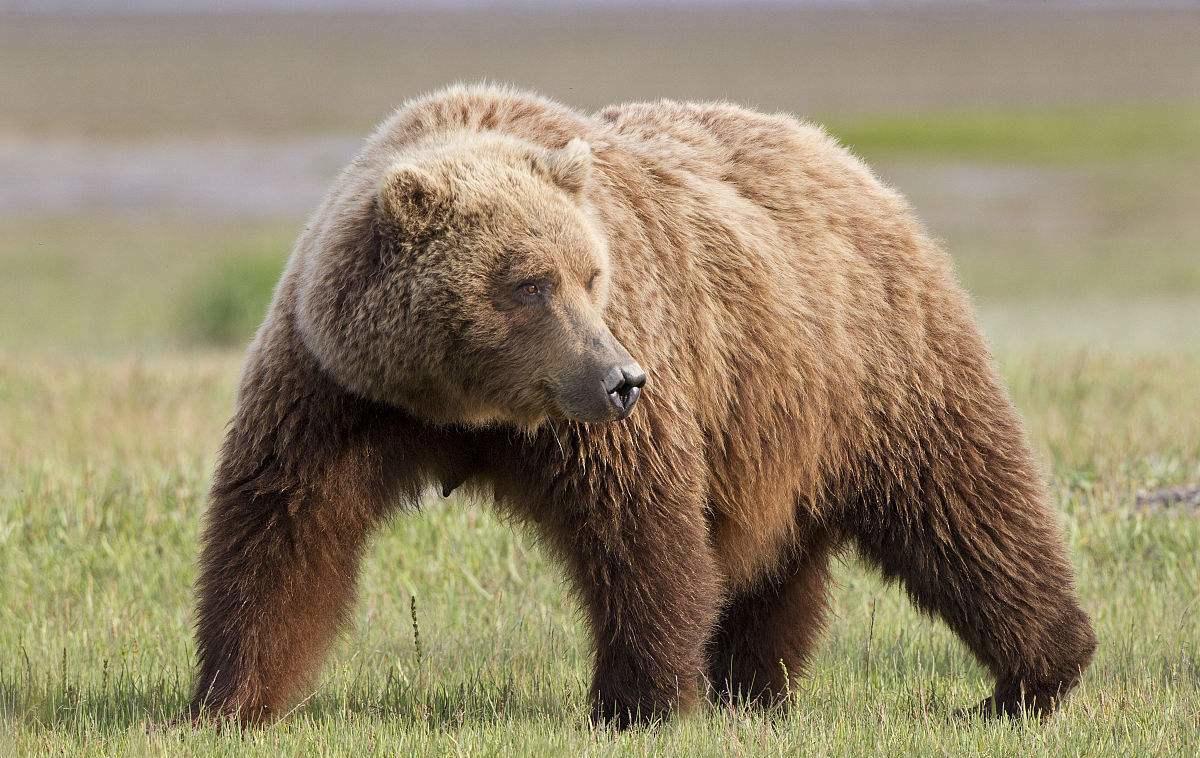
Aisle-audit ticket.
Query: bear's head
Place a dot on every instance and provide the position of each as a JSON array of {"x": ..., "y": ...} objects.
[{"x": 466, "y": 282}]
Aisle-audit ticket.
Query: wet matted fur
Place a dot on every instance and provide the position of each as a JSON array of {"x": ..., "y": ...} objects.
[{"x": 817, "y": 381}]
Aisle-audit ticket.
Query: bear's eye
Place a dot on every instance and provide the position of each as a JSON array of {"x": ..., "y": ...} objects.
[
  {"x": 531, "y": 292},
  {"x": 595, "y": 277}
]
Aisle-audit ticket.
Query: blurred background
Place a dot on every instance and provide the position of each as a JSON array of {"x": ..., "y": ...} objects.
[{"x": 157, "y": 158}]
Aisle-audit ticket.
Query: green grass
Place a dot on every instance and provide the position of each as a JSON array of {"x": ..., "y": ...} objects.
[
  {"x": 116, "y": 285},
  {"x": 105, "y": 466},
  {"x": 1056, "y": 136},
  {"x": 229, "y": 300}
]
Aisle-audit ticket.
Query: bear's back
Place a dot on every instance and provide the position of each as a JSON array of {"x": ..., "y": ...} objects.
[
  {"x": 772, "y": 159},
  {"x": 791, "y": 168}
]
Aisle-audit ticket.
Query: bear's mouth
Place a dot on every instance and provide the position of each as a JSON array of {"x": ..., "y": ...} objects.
[{"x": 623, "y": 399}]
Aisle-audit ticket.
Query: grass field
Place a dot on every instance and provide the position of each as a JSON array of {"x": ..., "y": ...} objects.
[
  {"x": 1065, "y": 188},
  {"x": 105, "y": 466}
]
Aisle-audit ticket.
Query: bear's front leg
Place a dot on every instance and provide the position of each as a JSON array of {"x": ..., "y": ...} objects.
[
  {"x": 306, "y": 473},
  {"x": 646, "y": 572}
]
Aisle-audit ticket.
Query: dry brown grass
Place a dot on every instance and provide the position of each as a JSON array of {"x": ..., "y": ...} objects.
[{"x": 270, "y": 75}]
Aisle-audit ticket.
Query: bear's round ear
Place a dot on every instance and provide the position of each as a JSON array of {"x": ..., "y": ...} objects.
[
  {"x": 410, "y": 196},
  {"x": 569, "y": 166}
]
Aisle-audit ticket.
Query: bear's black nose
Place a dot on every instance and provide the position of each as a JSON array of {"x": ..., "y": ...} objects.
[{"x": 624, "y": 386}]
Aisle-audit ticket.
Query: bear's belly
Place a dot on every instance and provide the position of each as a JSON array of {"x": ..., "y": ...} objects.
[{"x": 757, "y": 524}]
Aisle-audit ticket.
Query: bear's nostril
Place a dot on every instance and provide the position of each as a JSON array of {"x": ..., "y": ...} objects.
[
  {"x": 613, "y": 380},
  {"x": 634, "y": 376}
]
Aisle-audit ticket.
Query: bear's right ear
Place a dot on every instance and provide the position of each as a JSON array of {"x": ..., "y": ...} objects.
[
  {"x": 410, "y": 197},
  {"x": 569, "y": 166}
]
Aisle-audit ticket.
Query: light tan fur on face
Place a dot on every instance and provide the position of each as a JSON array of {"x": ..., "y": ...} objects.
[{"x": 395, "y": 305}]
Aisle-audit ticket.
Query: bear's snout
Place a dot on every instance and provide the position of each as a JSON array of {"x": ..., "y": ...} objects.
[{"x": 602, "y": 389}]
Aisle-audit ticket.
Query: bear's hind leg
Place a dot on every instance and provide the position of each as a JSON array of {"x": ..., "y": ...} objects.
[
  {"x": 974, "y": 543},
  {"x": 766, "y": 632}
]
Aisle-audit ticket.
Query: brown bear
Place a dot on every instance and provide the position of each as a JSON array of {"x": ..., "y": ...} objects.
[{"x": 481, "y": 300}]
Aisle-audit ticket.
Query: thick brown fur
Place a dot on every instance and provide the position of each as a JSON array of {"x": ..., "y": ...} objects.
[{"x": 817, "y": 380}]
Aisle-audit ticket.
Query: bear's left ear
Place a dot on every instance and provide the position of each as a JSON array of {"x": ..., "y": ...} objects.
[
  {"x": 411, "y": 197},
  {"x": 569, "y": 166}
]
